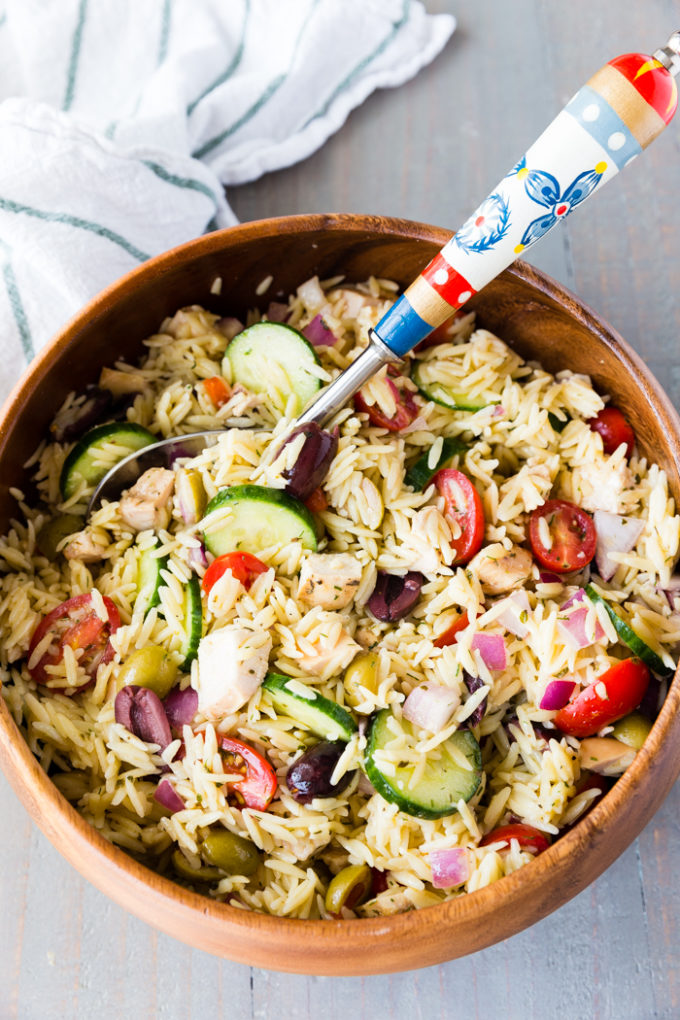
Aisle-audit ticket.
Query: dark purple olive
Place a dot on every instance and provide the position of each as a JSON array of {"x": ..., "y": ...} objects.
[
  {"x": 310, "y": 775},
  {"x": 394, "y": 597},
  {"x": 540, "y": 732},
  {"x": 473, "y": 683},
  {"x": 314, "y": 459},
  {"x": 181, "y": 707},
  {"x": 72, "y": 423},
  {"x": 141, "y": 711}
]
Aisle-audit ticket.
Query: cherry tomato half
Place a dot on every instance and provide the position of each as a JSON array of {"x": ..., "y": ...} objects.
[
  {"x": 244, "y": 566},
  {"x": 573, "y": 535},
  {"x": 75, "y": 624},
  {"x": 442, "y": 334},
  {"x": 614, "y": 430},
  {"x": 217, "y": 391},
  {"x": 463, "y": 505},
  {"x": 528, "y": 837},
  {"x": 258, "y": 785},
  {"x": 406, "y": 411},
  {"x": 613, "y": 695},
  {"x": 450, "y": 635},
  {"x": 316, "y": 501}
]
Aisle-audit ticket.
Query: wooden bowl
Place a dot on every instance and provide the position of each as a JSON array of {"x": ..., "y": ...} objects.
[{"x": 537, "y": 317}]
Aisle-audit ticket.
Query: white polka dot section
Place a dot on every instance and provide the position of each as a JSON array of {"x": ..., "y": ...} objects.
[
  {"x": 440, "y": 277},
  {"x": 465, "y": 296},
  {"x": 591, "y": 112},
  {"x": 616, "y": 141}
]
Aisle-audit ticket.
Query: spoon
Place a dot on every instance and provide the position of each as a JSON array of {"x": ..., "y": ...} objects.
[{"x": 606, "y": 124}]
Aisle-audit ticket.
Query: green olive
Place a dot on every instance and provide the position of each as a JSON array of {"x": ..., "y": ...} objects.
[
  {"x": 184, "y": 869},
  {"x": 361, "y": 675},
  {"x": 150, "y": 667},
  {"x": 349, "y": 888},
  {"x": 633, "y": 730},
  {"x": 231, "y": 853},
  {"x": 53, "y": 532}
]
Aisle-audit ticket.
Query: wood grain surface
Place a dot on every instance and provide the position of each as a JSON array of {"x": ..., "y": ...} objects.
[{"x": 428, "y": 151}]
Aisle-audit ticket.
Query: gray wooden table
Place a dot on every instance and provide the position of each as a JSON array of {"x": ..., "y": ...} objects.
[{"x": 65, "y": 950}]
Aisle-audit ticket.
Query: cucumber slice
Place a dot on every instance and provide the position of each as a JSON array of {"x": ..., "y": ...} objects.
[
  {"x": 419, "y": 474},
  {"x": 628, "y": 636},
  {"x": 87, "y": 461},
  {"x": 444, "y": 781},
  {"x": 192, "y": 624},
  {"x": 260, "y": 518},
  {"x": 557, "y": 424},
  {"x": 149, "y": 580},
  {"x": 444, "y": 395},
  {"x": 250, "y": 352},
  {"x": 314, "y": 712}
]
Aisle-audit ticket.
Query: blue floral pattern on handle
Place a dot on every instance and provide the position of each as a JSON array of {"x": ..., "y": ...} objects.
[
  {"x": 544, "y": 189},
  {"x": 487, "y": 226}
]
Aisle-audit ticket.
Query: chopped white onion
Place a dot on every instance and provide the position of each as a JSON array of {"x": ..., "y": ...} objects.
[
  {"x": 515, "y": 607},
  {"x": 615, "y": 534}
]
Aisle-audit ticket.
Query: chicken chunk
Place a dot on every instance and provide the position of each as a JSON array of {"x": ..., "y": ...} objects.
[
  {"x": 499, "y": 569},
  {"x": 329, "y": 580},
  {"x": 232, "y": 663},
  {"x": 86, "y": 547},
  {"x": 120, "y": 384},
  {"x": 146, "y": 506}
]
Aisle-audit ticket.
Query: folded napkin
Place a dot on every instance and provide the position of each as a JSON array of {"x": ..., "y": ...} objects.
[{"x": 123, "y": 119}]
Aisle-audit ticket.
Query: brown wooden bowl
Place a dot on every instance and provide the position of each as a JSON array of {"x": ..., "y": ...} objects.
[{"x": 537, "y": 317}]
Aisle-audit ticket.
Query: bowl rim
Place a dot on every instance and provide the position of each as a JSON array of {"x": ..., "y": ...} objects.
[{"x": 131, "y": 883}]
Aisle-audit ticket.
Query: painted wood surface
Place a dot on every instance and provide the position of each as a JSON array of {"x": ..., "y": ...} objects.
[{"x": 65, "y": 950}]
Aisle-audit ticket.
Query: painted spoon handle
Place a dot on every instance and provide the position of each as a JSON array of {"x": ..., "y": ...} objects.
[{"x": 609, "y": 121}]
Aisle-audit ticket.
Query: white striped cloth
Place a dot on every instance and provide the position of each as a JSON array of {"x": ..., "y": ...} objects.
[{"x": 121, "y": 120}]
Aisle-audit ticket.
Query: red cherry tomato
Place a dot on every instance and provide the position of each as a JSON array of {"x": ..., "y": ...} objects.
[
  {"x": 614, "y": 430},
  {"x": 613, "y": 695},
  {"x": 258, "y": 785},
  {"x": 450, "y": 635},
  {"x": 244, "y": 566},
  {"x": 573, "y": 535},
  {"x": 464, "y": 506},
  {"x": 528, "y": 837},
  {"x": 217, "y": 391},
  {"x": 406, "y": 411},
  {"x": 75, "y": 624},
  {"x": 316, "y": 501}
]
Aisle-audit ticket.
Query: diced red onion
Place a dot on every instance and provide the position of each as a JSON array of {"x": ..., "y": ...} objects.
[
  {"x": 197, "y": 558},
  {"x": 278, "y": 312},
  {"x": 430, "y": 706},
  {"x": 514, "y": 606},
  {"x": 181, "y": 707},
  {"x": 615, "y": 534},
  {"x": 229, "y": 326},
  {"x": 166, "y": 795},
  {"x": 671, "y": 590},
  {"x": 318, "y": 333},
  {"x": 545, "y": 577},
  {"x": 557, "y": 695},
  {"x": 492, "y": 649},
  {"x": 449, "y": 867},
  {"x": 573, "y": 627},
  {"x": 498, "y": 411}
]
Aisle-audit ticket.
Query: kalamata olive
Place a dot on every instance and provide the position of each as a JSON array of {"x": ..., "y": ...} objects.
[
  {"x": 150, "y": 667},
  {"x": 394, "y": 597},
  {"x": 540, "y": 732},
  {"x": 349, "y": 888},
  {"x": 141, "y": 712},
  {"x": 473, "y": 683},
  {"x": 181, "y": 707},
  {"x": 313, "y": 461},
  {"x": 73, "y": 422},
  {"x": 231, "y": 853},
  {"x": 52, "y": 533},
  {"x": 310, "y": 775}
]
